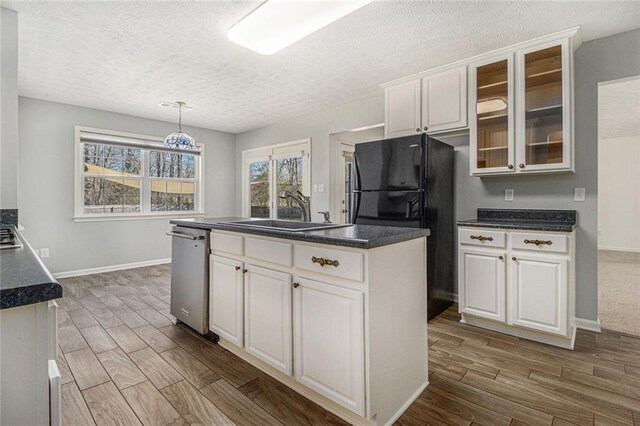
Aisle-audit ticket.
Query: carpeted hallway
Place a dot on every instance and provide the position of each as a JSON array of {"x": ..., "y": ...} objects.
[{"x": 619, "y": 291}]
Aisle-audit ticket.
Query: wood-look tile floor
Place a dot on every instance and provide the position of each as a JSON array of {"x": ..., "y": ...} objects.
[{"x": 124, "y": 363}]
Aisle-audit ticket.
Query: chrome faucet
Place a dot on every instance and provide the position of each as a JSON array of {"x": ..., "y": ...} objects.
[{"x": 303, "y": 201}]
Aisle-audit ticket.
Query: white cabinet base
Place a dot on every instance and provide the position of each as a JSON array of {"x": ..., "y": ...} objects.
[
  {"x": 321, "y": 400},
  {"x": 560, "y": 341}
]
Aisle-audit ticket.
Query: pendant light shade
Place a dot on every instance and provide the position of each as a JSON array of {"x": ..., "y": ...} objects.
[{"x": 180, "y": 140}]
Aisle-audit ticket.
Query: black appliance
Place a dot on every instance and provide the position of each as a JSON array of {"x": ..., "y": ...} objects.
[{"x": 409, "y": 182}]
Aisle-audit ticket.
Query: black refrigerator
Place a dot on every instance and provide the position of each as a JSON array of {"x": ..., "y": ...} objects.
[{"x": 409, "y": 182}]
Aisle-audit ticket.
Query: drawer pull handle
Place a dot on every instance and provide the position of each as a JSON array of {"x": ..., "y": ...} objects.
[
  {"x": 538, "y": 242},
  {"x": 322, "y": 261},
  {"x": 481, "y": 238}
]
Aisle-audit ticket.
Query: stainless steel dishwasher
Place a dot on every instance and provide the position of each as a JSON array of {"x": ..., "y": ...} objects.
[{"x": 190, "y": 277}]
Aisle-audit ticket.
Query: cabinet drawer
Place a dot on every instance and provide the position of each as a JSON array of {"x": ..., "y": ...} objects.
[
  {"x": 539, "y": 242},
  {"x": 269, "y": 251},
  {"x": 339, "y": 263},
  {"x": 228, "y": 243},
  {"x": 482, "y": 237}
]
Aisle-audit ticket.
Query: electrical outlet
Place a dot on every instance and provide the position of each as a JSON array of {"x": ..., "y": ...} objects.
[
  {"x": 44, "y": 253},
  {"x": 579, "y": 194},
  {"x": 321, "y": 187},
  {"x": 508, "y": 194}
]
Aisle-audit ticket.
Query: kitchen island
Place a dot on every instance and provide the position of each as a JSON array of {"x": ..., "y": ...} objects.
[{"x": 339, "y": 315}]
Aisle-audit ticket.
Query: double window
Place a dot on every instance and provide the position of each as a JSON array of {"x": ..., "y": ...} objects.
[
  {"x": 122, "y": 175},
  {"x": 270, "y": 171}
]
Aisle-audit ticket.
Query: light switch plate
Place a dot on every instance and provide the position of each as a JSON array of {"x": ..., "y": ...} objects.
[
  {"x": 579, "y": 194},
  {"x": 315, "y": 188},
  {"x": 44, "y": 253},
  {"x": 508, "y": 194},
  {"x": 321, "y": 187}
]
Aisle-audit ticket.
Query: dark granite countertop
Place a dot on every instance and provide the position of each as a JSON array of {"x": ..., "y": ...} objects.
[
  {"x": 530, "y": 220},
  {"x": 357, "y": 236},
  {"x": 24, "y": 280}
]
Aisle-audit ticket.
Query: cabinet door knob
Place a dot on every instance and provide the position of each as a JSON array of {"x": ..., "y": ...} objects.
[
  {"x": 514, "y": 258},
  {"x": 238, "y": 268},
  {"x": 296, "y": 285},
  {"x": 244, "y": 271},
  {"x": 521, "y": 165},
  {"x": 510, "y": 166},
  {"x": 417, "y": 129},
  {"x": 500, "y": 257},
  {"x": 426, "y": 128}
]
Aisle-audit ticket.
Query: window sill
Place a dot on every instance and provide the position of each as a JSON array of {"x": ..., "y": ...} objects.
[{"x": 110, "y": 218}]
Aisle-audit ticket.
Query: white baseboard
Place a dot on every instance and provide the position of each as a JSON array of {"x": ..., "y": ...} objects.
[
  {"x": 111, "y": 268},
  {"x": 407, "y": 403},
  {"x": 625, "y": 249},
  {"x": 590, "y": 325}
]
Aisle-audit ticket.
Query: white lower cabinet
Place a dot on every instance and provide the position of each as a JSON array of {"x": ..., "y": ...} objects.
[
  {"x": 226, "y": 298},
  {"x": 483, "y": 293},
  {"x": 329, "y": 341},
  {"x": 525, "y": 288},
  {"x": 268, "y": 331},
  {"x": 326, "y": 321},
  {"x": 540, "y": 288}
]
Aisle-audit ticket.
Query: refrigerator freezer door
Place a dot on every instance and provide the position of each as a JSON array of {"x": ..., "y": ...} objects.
[
  {"x": 389, "y": 208},
  {"x": 390, "y": 164}
]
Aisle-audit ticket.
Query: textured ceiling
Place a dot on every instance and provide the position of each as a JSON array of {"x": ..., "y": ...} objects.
[
  {"x": 619, "y": 109},
  {"x": 129, "y": 56}
]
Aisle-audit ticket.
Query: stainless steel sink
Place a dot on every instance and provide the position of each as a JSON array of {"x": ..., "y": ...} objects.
[{"x": 287, "y": 225}]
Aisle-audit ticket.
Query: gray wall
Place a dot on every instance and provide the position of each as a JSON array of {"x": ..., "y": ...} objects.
[
  {"x": 597, "y": 60},
  {"x": 46, "y": 188},
  {"x": 9, "y": 108}
]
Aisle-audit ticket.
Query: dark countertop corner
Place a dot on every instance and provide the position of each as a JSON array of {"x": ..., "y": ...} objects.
[
  {"x": 525, "y": 219},
  {"x": 356, "y": 236},
  {"x": 24, "y": 280}
]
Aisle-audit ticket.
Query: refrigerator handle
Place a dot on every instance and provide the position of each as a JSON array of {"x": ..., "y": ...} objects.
[
  {"x": 356, "y": 175},
  {"x": 356, "y": 206}
]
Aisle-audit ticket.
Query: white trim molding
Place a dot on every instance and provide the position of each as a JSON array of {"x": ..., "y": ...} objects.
[
  {"x": 589, "y": 325},
  {"x": 111, "y": 268},
  {"x": 624, "y": 249}
]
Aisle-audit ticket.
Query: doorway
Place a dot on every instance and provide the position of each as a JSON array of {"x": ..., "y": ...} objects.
[
  {"x": 344, "y": 144},
  {"x": 619, "y": 205}
]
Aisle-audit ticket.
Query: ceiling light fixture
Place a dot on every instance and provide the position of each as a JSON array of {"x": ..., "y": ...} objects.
[
  {"x": 277, "y": 24},
  {"x": 180, "y": 140}
]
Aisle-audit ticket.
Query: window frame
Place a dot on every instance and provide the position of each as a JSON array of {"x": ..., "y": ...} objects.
[
  {"x": 146, "y": 144},
  {"x": 271, "y": 153}
]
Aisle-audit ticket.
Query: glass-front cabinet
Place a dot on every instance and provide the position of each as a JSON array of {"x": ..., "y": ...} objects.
[
  {"x": 520, "y": 109},
  {"x": 492, "y": 106},
  {"x": 543, "y": 125}
]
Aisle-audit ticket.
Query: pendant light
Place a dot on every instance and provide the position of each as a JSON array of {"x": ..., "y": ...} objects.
[{"x": 180, "y": 140}]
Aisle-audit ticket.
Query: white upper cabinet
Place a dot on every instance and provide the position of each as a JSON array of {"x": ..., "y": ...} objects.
[
  {"x": 432, "y": 103},
  {"x": 226, "y": 298},
  {"x": 402, "y": 109},
  {"x": 543, "y": 122},
  {"x": 268, "y": 331},
  {"x": 444, "y": 100},
  {"x": 491, "y": 109},
  {"x": 520, "y": 108}
]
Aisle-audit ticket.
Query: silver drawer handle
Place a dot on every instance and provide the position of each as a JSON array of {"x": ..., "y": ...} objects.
[{"x": 185, "y": 236}]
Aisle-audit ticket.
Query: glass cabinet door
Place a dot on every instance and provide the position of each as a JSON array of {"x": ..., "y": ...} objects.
[
  {"x": 493, "y": 116},
  {"x": 541, "y": 124}
]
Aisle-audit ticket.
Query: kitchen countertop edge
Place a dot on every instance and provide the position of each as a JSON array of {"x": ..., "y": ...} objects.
[
  {"x": 378, "y": 237},
  {"x": 525, "y": 226},
  {"x": 35, "y": 285}
]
